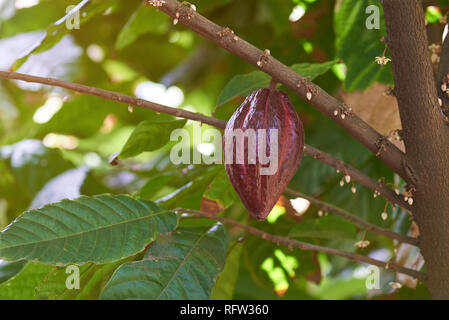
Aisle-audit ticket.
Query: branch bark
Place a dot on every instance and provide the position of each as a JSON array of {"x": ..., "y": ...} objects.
[
  {"x": 324, "y": 102},
  {"x": 307, "y": 246},
  {"x": 348, "y": 216},
  {"x": 425, "y": 135},
  {"x": 221, "y": 124}
]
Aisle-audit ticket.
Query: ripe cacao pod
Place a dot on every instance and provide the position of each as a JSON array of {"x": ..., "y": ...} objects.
[{"x": 278, "y": 134}]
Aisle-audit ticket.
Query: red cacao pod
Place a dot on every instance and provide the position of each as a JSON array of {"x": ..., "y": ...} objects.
[{"x": 269, "y": 128}]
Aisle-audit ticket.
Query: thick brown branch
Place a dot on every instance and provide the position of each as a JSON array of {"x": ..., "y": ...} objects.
[
  {"x": 425, "y": 135},
  {"x": 443, "y": 71},
  {"x": 348, "y": 216},
  {"x": 414, "y": 82},
  {"x": 307, "y": 246},
  {"x": 110, "y": 95},
  {"x": 320, "y": 99}
]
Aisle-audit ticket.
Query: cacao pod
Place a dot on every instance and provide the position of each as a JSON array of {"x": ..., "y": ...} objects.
[{"x": 264, "y": 126}]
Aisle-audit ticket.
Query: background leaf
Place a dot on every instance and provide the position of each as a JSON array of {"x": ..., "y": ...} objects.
[
  {"x": 327, "y": 227},
  {"x": 145, "y": 19},
  {"x": 22, "y": 285},
  {"x": 224, "y": 286},
  {"x": 149, "y": 135},
  {"x": 358, "y": 46},
  {"x": 183, "y": 265},
  {"x": 243, "y": 85}
]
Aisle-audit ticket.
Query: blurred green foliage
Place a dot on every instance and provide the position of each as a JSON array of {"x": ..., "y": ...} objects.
[{"x": 127, "y": 47}]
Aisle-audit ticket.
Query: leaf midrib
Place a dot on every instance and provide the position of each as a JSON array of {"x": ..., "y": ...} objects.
[{"x": 182, "y": 263}]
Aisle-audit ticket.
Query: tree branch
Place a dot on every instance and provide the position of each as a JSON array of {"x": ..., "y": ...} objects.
[
  {"x": 307, "y": 246},
  {"x": 425, "y": 135},
  {"x": 443, "y": 71},
  {"x": 221, "y": 124},
  {"x": 320, "y": 99},
  {"x": 421, "y": 118},
  {"x": 348, "y": 216},
  {"x": 357, "y": 175}
]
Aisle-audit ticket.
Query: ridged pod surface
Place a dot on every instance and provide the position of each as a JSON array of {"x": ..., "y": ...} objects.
[{"x": 263, "y": 109}]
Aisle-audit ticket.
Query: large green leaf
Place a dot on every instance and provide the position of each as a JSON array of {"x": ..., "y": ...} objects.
[
  {"x": 22, "y": 285},
  {"x": 149, "y": 135},
  {"x": 98, "y": 229},
  {"x": 182, "y": 265},
  {"x": 327, "y": 227},
  {"x": 358, "y": 46},
  {"x": 243, "y": 85},
  {"x": 225, "y": 284},
  {"x": 145, "y": 19}
]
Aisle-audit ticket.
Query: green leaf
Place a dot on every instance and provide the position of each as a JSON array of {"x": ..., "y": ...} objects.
[
  {"x": 225, "y": 284},
  {"x": 32, "y": 164},
  {"x": 144, "y": 20},
  {"x": 327, "y": 227},
  {"x": 313, "y": 70},
  {"x": 97, "y": 229},
  {"x": 87, "y": 10},
  {"x": 243, "y": 85},
  {"x": 341, "y": 289},
  {"x": 221, "y": 190},
  {"x": 149, "y": 136},
  {"x": 81, "y": 116},
  {"x": 154, "y": 184},
  {"x": 183, "y": 265},
  {"x": 278, "y": 13},
  {"x": 92, "y": 279},
  {"x": 22, "y": 285},
  {"x": 358, "y": 46},
  {"x": 34, "y": 18},
  {"x": 10, "y": 269},
  {"x": 186, "y": 196}
]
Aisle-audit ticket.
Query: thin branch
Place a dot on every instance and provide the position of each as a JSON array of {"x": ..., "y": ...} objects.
[
  {"x": 221, "y": 124},
  {"x": 357, "y": 175},
  {"x": 320, "y": 99},
  {"x": 114, "y": 96},
  {"x": 348, "y": 216},
  {"x": 307, "y": 246}
]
